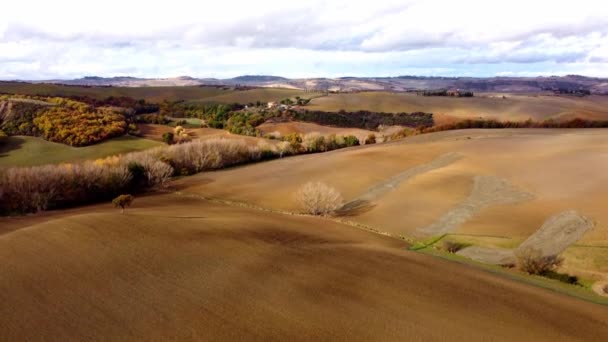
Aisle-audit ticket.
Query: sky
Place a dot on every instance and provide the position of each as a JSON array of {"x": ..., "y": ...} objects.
[{"x": 64, "y": 39}]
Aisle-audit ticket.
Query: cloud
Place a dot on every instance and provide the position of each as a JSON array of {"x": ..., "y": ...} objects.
[{"x": 64, "y": 38}]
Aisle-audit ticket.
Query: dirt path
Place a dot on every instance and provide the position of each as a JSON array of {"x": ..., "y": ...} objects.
[
  {"x": 558, "y": 233},
  {"x": 600, "y": 286},
  {"x": 487, "y": 191},
  {"x": 378, "y": 190},
  {"x": 489, "y": 255}
]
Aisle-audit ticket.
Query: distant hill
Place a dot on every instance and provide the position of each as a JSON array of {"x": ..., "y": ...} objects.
[
  {"x": 259, "y": 78},
  {"x": 572, "y": 84}
]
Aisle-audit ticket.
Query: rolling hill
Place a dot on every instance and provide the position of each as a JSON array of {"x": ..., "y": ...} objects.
[
  {"x": 492, "y": 188},
  {"x": 349, "y": 84},
  {"x": 488, "y": 106},
  {"x": 30, "y": 151},
  {"x": 176, "y": 267}
]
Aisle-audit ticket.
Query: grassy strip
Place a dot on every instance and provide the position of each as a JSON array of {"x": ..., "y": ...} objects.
[
  {"x": 420, "y": 245},
  {"x": 583, "y": 292}
]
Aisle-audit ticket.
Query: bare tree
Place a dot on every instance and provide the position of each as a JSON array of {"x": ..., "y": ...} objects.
[
  {"x": 317, "y": 198},
  {"x": 532, "y": 261}
]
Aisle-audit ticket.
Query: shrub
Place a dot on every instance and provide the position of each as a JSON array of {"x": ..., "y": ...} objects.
[
  {"x": 351, "y": 140},
  {"x": 452, "y": 246},
  {"x": 179, "y": 130},
  {"x": 155, "y": 172},
  {"x": 284, "y": 149},
  {"x": 295, "y": 141},
  {"x": 606, "y": 289},
  {"x": 168, "y": 138},
  {"x": 532, "y": 261},
  {"x": 371, "y": 139},
  {"x": 314, "y": 142},
  {"x": 133, "y": 130},
  {"x": 317, "y": 198},
  {"x": 564, "y": 278},
  {"x": 210, "y": 154},
  {"x": 122, "y": 202}
]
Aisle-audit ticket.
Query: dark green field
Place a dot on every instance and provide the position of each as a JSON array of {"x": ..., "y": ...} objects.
[{"x": 152, "y": 94}]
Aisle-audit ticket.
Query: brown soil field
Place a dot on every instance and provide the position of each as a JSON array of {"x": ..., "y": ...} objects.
[
  {"x": 561, "y": 169},
  {"x": 491, "y": 106},
  {"x": 253, "y": 95},
  {"x": 155, "y": 132},
  {"x": 285, "y": 128},
  {"x": 179, "y": 268}
]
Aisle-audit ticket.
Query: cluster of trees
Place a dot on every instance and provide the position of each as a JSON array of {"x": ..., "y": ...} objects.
[
  {"x": 490, "y": 123},
  {"x": 315, "y": 142},
  {"x": 244, "y": 122},
  {"x": 302, "y": 102},
  {"x": 298, "y": 101},
  {"x": 364, "y": 119},
  {"x": 19, "y": 118},
  {"x": 134, "y": 106},
  {"x": 157, "y": 119},
  {"x": 215, "y": 115},
  {"x": 572, "y": 91},
  {"x": 38, "y": 188},
  {"x": 78, "y": 125},
  {"x": 63, "y": 120},
  {"x": 52, "y": 186},
  {"x": 445, "y": 92}
]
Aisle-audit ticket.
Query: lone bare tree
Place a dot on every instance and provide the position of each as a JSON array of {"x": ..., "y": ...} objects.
[
  {"x": 319, "y": 199},
  {"x": 532, "y": 261}
]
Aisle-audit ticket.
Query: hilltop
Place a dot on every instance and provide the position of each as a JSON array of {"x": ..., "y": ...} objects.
[{"x": 562, "y": 84}]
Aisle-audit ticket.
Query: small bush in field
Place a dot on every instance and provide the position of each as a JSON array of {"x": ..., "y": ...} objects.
[
  {"x": 371, "y": 139},
  {"x": 122, "y": 202},
  {"x": 317, "y": 198},
  {"x": 452, "y": 246},
  {"x": 532, "y": 261},
  {"x": 605, "y": 289},
  {"x": 168, "y": 138},
  {"x": 351, "y": 140}
]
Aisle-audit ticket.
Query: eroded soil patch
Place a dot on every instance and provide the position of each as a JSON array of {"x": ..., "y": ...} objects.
[{"x": 487, "y": 191}]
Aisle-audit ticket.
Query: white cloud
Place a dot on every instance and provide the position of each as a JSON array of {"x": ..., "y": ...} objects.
[{"x": 61, "y": 38}]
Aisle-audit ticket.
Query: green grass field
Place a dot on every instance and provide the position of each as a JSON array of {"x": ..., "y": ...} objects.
[{"x": 31, "y": 151}]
